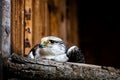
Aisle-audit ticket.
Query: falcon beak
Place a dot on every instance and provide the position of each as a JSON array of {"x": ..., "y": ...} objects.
[{"x": 42, "y": 44}]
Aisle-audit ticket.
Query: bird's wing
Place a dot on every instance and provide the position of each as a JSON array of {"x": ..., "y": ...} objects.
[
  {"x": 34, "y": 52},
  {"x": 74, "y": 54}
]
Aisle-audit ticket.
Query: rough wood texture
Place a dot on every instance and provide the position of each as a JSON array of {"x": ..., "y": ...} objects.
[
  {"x": 17, "y": 26},
  {"x": 72, "y": 23},
  {"x": 34, "y": 19},
  {"x": 28, "y": 26},
  {"x": 38, "y": 20},
  {"x": 24, "y": 68},
  {"x": 5, "y": 7},
  {"x": 6, "y": 28}
]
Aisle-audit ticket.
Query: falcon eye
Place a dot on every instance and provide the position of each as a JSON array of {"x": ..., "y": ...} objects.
[{"x": 51, "y": 41}]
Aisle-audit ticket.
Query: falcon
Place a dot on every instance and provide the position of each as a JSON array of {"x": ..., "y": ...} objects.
[{"x": 54, "y": 48}]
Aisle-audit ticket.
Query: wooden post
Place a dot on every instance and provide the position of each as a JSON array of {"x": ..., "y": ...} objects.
[
  {"x": 74, "y": 35},
  {"x": 28, "y": 26},
  {"x": 62, "y": 20},
  {"x": 37, "y": 21},
  {"x": 53, "y": 17},
  {"x": 17, "y": 26},
  {"x": 1, "y": 40},
  {"x": 6, "y": 11},
  {"x": 72, "y": 23},
  {"x": 46, "y": 19}
]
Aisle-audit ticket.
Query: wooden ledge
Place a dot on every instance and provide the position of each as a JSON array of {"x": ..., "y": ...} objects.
[{"x": 25, "y": 68}]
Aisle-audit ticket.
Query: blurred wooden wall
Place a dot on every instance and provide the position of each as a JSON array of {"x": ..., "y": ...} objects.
[{"x": 34, "y": 19}]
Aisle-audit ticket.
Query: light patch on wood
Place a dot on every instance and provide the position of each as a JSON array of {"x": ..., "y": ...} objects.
[{"x": 28, "y": 26}]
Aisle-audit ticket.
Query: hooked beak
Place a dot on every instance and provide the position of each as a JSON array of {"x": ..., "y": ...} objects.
[{"x": 41, "y": 45}]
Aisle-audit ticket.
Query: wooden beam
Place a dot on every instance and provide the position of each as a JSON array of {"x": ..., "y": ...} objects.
[
  {"x": 40, "y": 20},
  {"x": 17, "y": 29},
  {"x": 6, "y": 29},
  {"x": 53, "y": 17},
  {"x": 74, "y": 33},
  {"x": 25, "y": 68},
  {"x": 28, "y": 26},
  {"x": 62, "y": 20},
  {"x": 72, "y": 23},
  {"x": 46, "y": 21},
  {"x": 1, "y": 74}
]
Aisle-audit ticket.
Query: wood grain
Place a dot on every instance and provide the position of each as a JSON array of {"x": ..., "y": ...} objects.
[
  {"x": 17, "y": 23},
  {"x": 34, "y": 19},
  {"x": 28, "y": 26},
  {"x": 38, "y": 20},
  {"x": 24, "y": 68}
]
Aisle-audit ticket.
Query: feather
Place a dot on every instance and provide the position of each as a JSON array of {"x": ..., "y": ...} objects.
[{"x": 74, "y": 54}]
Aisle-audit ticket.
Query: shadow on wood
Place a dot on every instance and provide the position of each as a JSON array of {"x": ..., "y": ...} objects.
[{"x": 24, "y": 68}]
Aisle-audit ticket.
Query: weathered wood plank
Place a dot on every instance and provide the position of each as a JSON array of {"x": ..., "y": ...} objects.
[
  {"x": 46, "y": 21},
  {"x": 72, "y": 23},
  {"x": 53, "y": 17},
  {"x": 1, "y": 75},
  {"x": 6, "y": 11},
  {"x": 23, "y": 26},
  {"x": 69, "y": 35},
  {"x": 5, "y": 33},
  {"x": 24, "y": 68},
  {"x": 62, "y": 20},
  {"x": 13, "y": 20},
  {"x": 42, "y": 18},
  {"x": 38, "y": 20},
  {"x": 17, "y": 29},
  {"x": 28, "y": 26},
  {"x": 74, "y": 32}
]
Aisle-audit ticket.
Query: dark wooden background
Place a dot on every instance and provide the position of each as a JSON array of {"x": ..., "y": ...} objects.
[
  {"x": 100, "y": 29},
  {"x": 91, "y": 25},
  {"x": 34, "y": 19}
]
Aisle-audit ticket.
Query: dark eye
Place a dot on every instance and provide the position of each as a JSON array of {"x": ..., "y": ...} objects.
[{"x": 52, "y": 41}]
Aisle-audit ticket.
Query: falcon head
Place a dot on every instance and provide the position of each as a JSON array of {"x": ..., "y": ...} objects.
[
  {"x": 47, "y": 42},
  {"x": 52, "y": 47}
]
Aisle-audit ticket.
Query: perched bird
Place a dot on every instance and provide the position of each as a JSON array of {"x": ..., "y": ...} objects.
[{"x": 54, "y": 48}]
